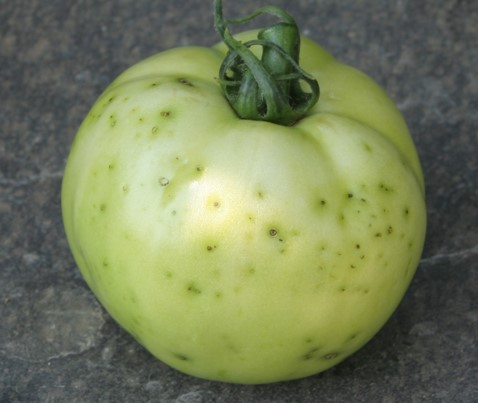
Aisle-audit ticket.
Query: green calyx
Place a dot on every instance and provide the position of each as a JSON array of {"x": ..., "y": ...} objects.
[{"x": 274, "y": 88}]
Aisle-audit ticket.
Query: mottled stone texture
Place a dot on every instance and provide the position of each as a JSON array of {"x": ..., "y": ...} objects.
[{"x": 57, "y": 344}]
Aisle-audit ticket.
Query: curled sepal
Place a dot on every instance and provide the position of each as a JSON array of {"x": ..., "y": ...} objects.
[{"x": 273, "y": 88}]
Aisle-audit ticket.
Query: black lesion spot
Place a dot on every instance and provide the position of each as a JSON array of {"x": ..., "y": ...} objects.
[
  {"x": 385, "y": 188},
  {"x": 273, "y": 232},
  {"x": 181, "y": 357},
  {"x": 311, "y": 354},
  {"x": 330, "y": 356},
  {"x": 185, "y": 82}
]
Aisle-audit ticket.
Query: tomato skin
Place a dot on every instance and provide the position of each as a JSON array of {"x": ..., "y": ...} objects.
[{"x": 237, "y": 250}]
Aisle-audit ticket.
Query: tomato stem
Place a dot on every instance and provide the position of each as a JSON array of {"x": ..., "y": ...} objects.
[{"x": 273, "y": 88}]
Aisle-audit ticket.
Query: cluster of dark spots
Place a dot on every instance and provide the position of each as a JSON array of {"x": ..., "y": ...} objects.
[
  {"x": 193, "y": 289},
  {"x": 113, "y": 120},
  {"x": 385, "y": 188},
  {"x": 111, "y": 166},
  {"x": 185, "y": 82},
  {"x": 330, "y": 356},
  {"x": 389, "y": 230},
  {"x": 211, "y": 248},
  {"x": 165, "y": 114},
  {"x": 163, "y": 181}
]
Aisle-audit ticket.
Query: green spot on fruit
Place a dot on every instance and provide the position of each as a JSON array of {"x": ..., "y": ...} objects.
[
  {"x": 367, "y": 147},
  {"x": 218, "y": 295},
  {"x": 103, "y": 207},
  {"x": 111, "y": 167},
  {"x": 125, "y": 189},
  {"x": 154, "y": 130}
]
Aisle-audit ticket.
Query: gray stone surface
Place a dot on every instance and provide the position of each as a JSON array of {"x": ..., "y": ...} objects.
[{"x": 56, "y": 342}]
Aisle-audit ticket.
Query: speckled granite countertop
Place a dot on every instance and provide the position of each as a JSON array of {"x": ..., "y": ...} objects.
[{"x": 56, "y": 342}]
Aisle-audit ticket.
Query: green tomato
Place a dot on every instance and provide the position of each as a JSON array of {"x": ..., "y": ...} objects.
[{"x": 239, "y": 250}]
